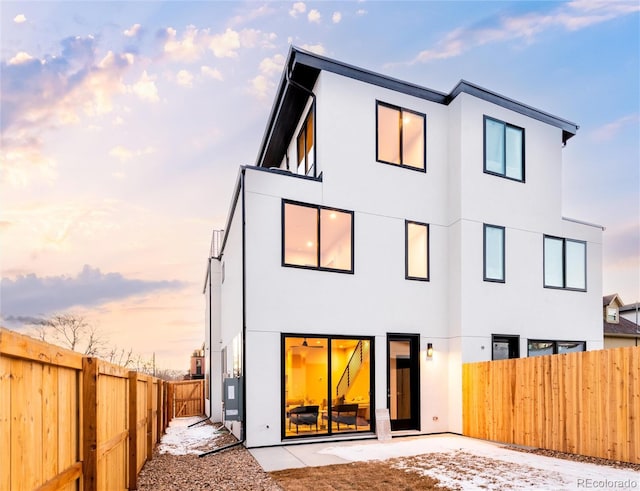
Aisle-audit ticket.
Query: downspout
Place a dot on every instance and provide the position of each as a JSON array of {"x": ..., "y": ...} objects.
[
  {"x": 244, "y": 313},
  {"x": 243, "y": 435},
  {"x": 210, "y": 342}
]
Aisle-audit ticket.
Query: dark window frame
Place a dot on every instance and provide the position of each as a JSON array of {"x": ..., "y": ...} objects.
[
  {"x": 424, "y": 137},
  {"x": 564, "y": 263},
  {"x": 508, "y": 338},
  {"x": 506, "y": 125},
  {"x": 303, "y": 132},
  {"x": 484, "y": 253},
  {"x": 555, "y": 343},
  {"x": 406, "y": 251},
  {"x": 329, "y": 338},
  {"x": 319, "y": 247}
]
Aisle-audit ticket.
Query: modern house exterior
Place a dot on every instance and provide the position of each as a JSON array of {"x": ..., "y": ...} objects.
[
  {"x": 386, "y": 235},
  {"x": 619, "y": 330}
]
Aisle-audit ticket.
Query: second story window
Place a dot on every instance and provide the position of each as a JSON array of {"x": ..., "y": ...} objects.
[
  {"x": 306, "y": 150},
  {"x": 565, "y": 263},
  {"x": 400, "y": 137},
  {"x": 316, "y": 237},
  {"x": 417, "y": 251},
  {"x": 503, "y": 149},
  {"x": 493, "y": 253}
]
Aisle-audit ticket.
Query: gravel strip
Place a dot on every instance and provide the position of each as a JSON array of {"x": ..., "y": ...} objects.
[{"x": 233, "y": 469}]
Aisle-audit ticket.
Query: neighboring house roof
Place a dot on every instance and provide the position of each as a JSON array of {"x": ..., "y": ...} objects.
[
  {"x": 624, "y": 327},
  {"x": 630, "y": 308},
  {"x": 301, "y": 72},
  {"x": 608, "y": 299}
]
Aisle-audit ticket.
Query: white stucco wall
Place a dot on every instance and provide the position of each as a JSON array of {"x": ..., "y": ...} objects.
[{"x": 456, "y": 310}]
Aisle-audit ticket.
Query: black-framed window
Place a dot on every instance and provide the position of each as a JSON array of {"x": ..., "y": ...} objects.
[
  {"x": 327, "y": 384},
  {"x": 400, "y": 136},
  {"x": 306, "y": 147},
  {"x": 494, "y": 253},
  {"x": 317, "y": 237},
  {"x": 416, "y": 240},
  {"x": 540, "y": 347},
  {"x": 565, "y": 263},
  {"x": 504, "y": 346},
  {"x": 503, "y": 149}
]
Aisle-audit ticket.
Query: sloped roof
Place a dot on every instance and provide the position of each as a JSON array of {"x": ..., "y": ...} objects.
[
  {"x": 607, "y": 299},
  {"x": 302, "y": 68},
  {"x": 629, "y": 308},
  {"x": 623, "y": 327}
]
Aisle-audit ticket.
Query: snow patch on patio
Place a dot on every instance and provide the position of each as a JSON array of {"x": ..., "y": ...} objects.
[
  {"x": 468, "y": 464},
  {"x": 180, "y": 439}
]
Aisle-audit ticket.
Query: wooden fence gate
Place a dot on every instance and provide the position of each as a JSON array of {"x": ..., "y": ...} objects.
[{"x": 186, "y": 398}]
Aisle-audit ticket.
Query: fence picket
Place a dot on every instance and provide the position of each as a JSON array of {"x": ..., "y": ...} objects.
[
  {"x": 585, "y": 403},
  {"x": 65, "y": 419}
]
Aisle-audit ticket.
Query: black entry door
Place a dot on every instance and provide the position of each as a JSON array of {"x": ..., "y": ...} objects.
[{"x": 403, "y": 381}]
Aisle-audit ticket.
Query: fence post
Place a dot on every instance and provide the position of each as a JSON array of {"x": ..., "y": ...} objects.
[
  {"x": 133, "y": 430},
  {"x": 89, "y": 423},
  {"x": 149, "y": 425},
  {"x": 159, "y": 410}
]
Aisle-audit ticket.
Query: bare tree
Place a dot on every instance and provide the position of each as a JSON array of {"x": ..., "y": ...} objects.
[
  {"x": 169, "y": 374},
  {"x": 71, "y": 331},
  {"x": 120, "y": 357}
]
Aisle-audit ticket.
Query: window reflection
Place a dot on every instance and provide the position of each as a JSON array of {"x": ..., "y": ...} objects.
[{"x": 400, "y": 136}]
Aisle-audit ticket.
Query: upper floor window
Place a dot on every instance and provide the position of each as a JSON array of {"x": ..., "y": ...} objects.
[
  {"x": 503, "y": 149},
  {"x": 493, "y": 253},
  {"x": 317, "y": 237},
  {"x": 565, "y": 263},
  {"x": 400, "y": 137},
  {"x": 306, "y": 150},
  {"x": 612, "y": 315},
  {"x": 417, "y": 251}
]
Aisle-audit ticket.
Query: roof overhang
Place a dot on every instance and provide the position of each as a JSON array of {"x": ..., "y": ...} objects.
[{"x": 301, "y": 72}]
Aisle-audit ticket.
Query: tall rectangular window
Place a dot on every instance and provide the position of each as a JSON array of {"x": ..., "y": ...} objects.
[
  {"x": 417, "y": 251},
  {"x": 494, "y": 253},
  {"x": 306, "y": 150},
  {"x": 565, "y": 263},
  {"x": 401, "y": 136},
  {"x": 503, "y": 149},
  {"x": 317, "y": 237}
]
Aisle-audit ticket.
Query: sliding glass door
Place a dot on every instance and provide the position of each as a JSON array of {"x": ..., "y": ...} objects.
[{"x": 326, "y": 385}]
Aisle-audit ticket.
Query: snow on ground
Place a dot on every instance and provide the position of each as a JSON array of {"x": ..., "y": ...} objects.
[
  {"x": 180, "y": 439},
  {"x": 469, "y": 464}
]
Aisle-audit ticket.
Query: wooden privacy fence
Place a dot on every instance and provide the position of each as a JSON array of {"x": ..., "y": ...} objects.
[
  {"x": 70, "y": 422},
  {"x": 584, "y": 403}
]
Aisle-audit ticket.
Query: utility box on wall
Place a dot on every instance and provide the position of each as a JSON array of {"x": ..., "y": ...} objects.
[{"x": 233, "y": 399}]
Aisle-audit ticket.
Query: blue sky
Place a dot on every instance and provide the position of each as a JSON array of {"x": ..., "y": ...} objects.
[{"x": 123, "y": 125}]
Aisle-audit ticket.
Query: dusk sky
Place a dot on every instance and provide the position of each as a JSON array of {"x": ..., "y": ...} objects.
[{"x": 124, "y": 123}]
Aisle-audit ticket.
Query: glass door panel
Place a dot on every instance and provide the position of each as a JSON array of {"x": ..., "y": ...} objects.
[
  {"x": 403, "y": 379},
  {"x": 306, "y": 384},
  {"x": 350, "y": 385}
]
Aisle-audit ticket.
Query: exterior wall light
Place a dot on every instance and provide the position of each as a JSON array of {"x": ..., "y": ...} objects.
[{"x": 429, "y": 350}]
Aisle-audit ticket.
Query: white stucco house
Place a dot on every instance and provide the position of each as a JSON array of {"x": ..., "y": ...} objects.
[{"x": 387, "y": 234}]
